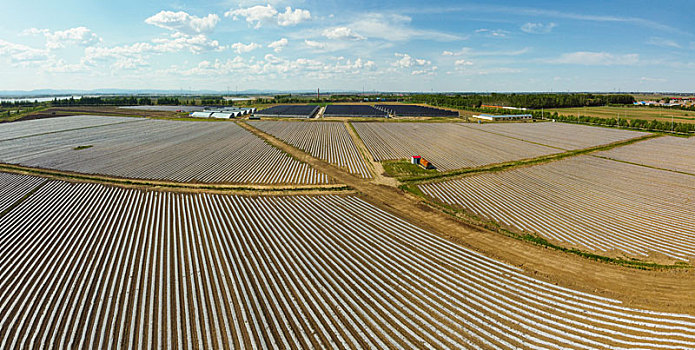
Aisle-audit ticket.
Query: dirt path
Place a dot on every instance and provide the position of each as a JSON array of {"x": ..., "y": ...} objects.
[
  {"x": 672, "y": 290},
  {"x": 182, "y": 187},
  {"x": 376, "y": 167}
]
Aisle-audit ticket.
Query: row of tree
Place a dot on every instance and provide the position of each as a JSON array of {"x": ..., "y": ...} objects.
[
  {"x": 531, "y": 101},
  {"x": 639, "y": 124}
]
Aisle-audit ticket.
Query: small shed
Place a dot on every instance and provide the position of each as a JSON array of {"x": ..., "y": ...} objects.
[
  {"x": 415, "y": 160},
  {"x": 426, "y": 164}
]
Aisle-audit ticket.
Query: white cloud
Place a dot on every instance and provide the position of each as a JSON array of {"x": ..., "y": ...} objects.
[
  {"x": 244, "y": 48},
  {"x": 290, "y": 17},
  {"x": 407, "y": 61},
  {"x": 82, "y": 36},
  {"x": 315, "y": 44},
  {"x": 538, "y": 28},
  {"x": 596, "y": 59},
  {"x": 342, "y": 33},
  {"x": 278, "y": 45},
  {"x": 254, "y": 15},
  {"x": 652, "y": 80},
  {"x": 463, "y": 63},
  {"x": 19, "y": 53},
  {"x": 180, "y": 42},
  {"x": 467, "y": 51},
  {"x": 259, "y": 15},
  {"x": 663, "y": 42},
  {"x": 393, "y": 27},
  {"x": 428, "y": 71},
  {"x": 137, "y": 54},
  {"x": 274, "y": 66},
  {"x": 184, "y": 22},
  {"x": 496, "y": 33}
]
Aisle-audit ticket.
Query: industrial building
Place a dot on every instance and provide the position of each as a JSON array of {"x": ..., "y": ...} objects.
[{"x": 502, "y": 117}]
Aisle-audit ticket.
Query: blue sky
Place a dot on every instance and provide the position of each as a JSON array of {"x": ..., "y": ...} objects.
[{"x": 355, "y": 45}]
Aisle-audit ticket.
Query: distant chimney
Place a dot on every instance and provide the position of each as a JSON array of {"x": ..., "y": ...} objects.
[{"x": 318, "y": 94}]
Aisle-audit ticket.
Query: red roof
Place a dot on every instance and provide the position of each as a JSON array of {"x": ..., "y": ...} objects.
[{"x": 416, "y": 157}]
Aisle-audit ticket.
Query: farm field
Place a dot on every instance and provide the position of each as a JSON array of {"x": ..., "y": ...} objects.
[
  {"x": 447, "y": 145},
  {"x": 14, "y": 187},
  {"x": 586, "y": 202},
  {"x": 559, "y": 135},
  {"x": 329, "y": 141},
  {"x": 155, "y": 149},
  {"x": 646, "y": 113},
  {"x": 363, "y": 111},
  {"x": 289, "y": 111},
  {"x": 402, "y": 110},
  {"x": 86, "y": 265},
  {"x": 15, "y": 130},
  {"x": 667, "y": 152}
]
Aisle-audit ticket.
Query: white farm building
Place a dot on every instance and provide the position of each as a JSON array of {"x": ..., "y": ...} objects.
[{"x": 223, "y": 113}]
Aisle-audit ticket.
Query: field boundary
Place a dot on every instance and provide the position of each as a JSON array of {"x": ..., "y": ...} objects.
[
  {"x": 454, "y": 174},
  {"x": 490, "y": 225},
  {"x": 19, "y": 201},
  {"x": 175, "y": 186},
  {"x": 643, "y": 165},
  {"x": 67, "y": 130}
]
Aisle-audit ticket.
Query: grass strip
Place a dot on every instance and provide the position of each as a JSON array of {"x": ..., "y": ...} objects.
[{"x": 67, "y": 176}]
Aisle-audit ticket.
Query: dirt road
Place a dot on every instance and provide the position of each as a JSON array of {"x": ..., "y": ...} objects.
[{"x": 672, "y": 290}]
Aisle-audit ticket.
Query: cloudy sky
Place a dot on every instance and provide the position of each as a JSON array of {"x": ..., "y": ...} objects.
[{"x": 338, "y": 45}]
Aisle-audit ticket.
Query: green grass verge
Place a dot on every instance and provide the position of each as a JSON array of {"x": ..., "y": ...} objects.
[
  {"x": 476, "y": 221},
  {"x": 403, "y": 168},
  {"x": 174, "y": 185},
  {"x": 82, "y": 147},
  {"x": 14, "y": 116}
]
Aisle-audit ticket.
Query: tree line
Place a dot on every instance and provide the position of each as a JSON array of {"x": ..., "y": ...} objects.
[
  {"x": 639, "y": 124},
  {"x": 531, "y": 101}
]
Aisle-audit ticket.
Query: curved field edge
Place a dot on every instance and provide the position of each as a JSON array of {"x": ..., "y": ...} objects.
[
  {"x": 170, "y": 185},
  {"x": 493, "y": 226}
]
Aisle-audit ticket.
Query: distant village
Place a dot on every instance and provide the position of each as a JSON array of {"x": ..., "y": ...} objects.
[{"x": 669, "y": 102}]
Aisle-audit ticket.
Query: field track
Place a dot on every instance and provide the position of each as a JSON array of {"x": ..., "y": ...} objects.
[
  {"x": 329, "y": 141},
  {"x": 154, "y": 149},
  {"x": 586, "y": 202}
]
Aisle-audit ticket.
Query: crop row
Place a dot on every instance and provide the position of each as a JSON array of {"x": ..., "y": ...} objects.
[
  {"x": 586, "y": 202},
  {"x": 14, "y": 187},
  {"x": 560, "y": 135},
  {"x": 50, "y": 125},
  {"x": 329, "y": 141},
  {"x": 448, "y": 146},
  {"x": 672, "y": 153},
  {"x": 161, "y": 150},
  {"x": 88, "y": 266}
]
